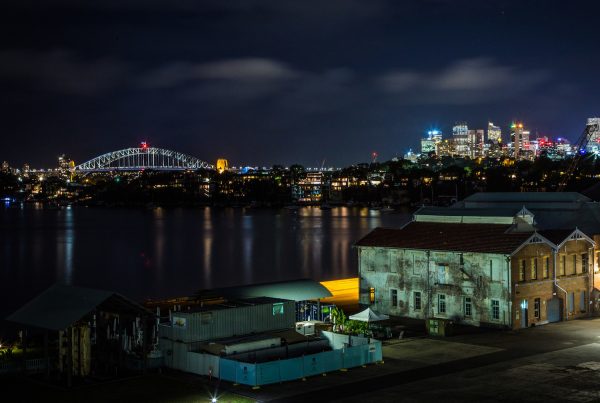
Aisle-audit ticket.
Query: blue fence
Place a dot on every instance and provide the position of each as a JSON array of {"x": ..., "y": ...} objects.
[{"x": 296, "y": 368}]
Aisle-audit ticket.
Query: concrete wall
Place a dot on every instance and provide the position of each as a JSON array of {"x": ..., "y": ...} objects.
[{"x": 480, "y": 277}]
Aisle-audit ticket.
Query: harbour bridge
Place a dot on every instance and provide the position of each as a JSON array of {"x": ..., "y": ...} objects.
[{"x": 140, "y": 158}]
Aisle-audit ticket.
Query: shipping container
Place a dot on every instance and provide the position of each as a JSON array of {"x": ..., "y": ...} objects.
[{"x": 229, "y": 319}]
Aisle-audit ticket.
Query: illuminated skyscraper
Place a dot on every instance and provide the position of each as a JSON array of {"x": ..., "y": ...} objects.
[
  {"x": 475, "y": 142},
  {"x": 460, "y": 136},
  {"x": 594, "y": 142},
  {"x": 519, "y": 138},
  {"x": 494, "y": 134},
  {"x": 429, "y": 143}
]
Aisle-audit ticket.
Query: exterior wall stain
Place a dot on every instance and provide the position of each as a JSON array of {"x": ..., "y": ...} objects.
[
  {"x": 465, "y": 283},
  {"x": 481, "y": 288}
]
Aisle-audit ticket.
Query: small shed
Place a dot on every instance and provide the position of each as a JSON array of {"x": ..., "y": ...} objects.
[{"x": 87, "y": 322}]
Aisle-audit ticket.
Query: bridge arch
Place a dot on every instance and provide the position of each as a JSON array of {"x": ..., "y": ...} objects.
[{"x": 139, "y": 158}]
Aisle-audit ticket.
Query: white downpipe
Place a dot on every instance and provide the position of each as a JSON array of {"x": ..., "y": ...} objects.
[{"x": 565, "y": 310}]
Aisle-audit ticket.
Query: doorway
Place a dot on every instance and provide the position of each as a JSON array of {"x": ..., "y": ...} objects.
[{"x": 524, "y": 313}]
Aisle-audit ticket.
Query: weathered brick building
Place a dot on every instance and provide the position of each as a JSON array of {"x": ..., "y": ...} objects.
[{"x": 482, "y": 265}]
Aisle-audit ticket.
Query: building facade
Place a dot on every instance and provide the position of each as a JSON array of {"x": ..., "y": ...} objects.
[{"x": 483, "y": 265}]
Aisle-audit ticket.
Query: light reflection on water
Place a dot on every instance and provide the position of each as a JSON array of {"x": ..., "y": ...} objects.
[{"x": 172, "y": 252}]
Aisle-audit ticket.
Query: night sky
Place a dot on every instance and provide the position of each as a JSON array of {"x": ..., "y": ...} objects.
[{"x": 280, "y": 82}]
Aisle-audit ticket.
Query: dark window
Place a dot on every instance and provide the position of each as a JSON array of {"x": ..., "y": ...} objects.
[
  {"x": 394, "y": 297},
  {"x": 522, "y": 270},
  {"x": 584, "y": 262},
  {"x": 495, "y": 309},
  {"x": 546, "y": 272},
  {"x": 441, "y": 303},
  {"x": 571, "y": 303},
  {"x": 468, "y": 307},
  {"x": 536, "y": 308},
  {"x": 417, "y": 300}
]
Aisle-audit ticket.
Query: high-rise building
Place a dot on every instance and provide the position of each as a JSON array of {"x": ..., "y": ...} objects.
[
  {"x": 5, "y": 167},
  {"x": 494, "y": 133},
  {"x": 519, "y": 138},
  {"x": 460, "y": 137},
  {"x": 429, "y": 143},
  {"x": 594, "y": 141},
  {"x": 475, "y": 142}
]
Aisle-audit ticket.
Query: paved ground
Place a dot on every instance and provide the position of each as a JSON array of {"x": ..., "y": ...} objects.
[
  {"x": 557, "y": 362},
  {"x": 560, "y": 360}
]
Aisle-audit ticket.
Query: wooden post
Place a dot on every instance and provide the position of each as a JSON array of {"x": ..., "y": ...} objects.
[
  {"x": 46, "y": 354},
  {"x": 79, "y": 369},
  {"x": 24, "y": 345},
  {"x": 144, "y": 331},
  {"x": 69, "y": 357}
]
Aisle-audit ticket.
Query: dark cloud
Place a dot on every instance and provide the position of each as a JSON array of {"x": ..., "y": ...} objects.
[
  {"x": 247, "y": 70},
  {"x": 303, "y": 78},
  {"x": 465, "y": 81},
  {"x": 62, "y": 71}
]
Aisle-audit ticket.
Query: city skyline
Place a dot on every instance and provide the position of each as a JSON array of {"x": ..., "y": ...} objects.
[
  {"x": 430, "y": 131},
  {"x": 286, "y": 82}
]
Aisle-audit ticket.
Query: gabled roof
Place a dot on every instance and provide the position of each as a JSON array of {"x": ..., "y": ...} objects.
[
  {"x": 483, "y": 238},
  {"x": 556, "y": 236},
  {"x": 62, "y": 305}
]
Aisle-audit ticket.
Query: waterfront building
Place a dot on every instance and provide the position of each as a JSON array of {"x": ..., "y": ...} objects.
[
  {"x": 308, "y": 188},
  {"x": 497, "y": 259}
]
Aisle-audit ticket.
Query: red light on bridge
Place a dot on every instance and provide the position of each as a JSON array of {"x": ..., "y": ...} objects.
[{"x": 144, "y": 145}]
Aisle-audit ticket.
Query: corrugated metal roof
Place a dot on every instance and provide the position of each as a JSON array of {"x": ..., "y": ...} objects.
[
  {"x": 483, "y": 238},
  {"x": 62, "y": 305},
  {"x": 295, "y": 290},
  {"x": 480, "y": 212},
  {"x": 526, "y": 197}
]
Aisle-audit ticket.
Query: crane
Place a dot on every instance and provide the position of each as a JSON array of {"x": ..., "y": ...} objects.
[{"x": 582, "y": 142}]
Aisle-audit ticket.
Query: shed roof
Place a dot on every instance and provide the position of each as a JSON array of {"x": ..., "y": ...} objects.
[
  {"x": 525, "y": 197},
  {"x": 62, "y": 305},
  {"x": 296, "y": 290},
  {"x": 461, "y": 211},
  {"x": 483, "y": 238}
]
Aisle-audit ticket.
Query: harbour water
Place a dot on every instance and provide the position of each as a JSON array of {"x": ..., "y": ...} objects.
[{"x": 173, "y": 252}]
